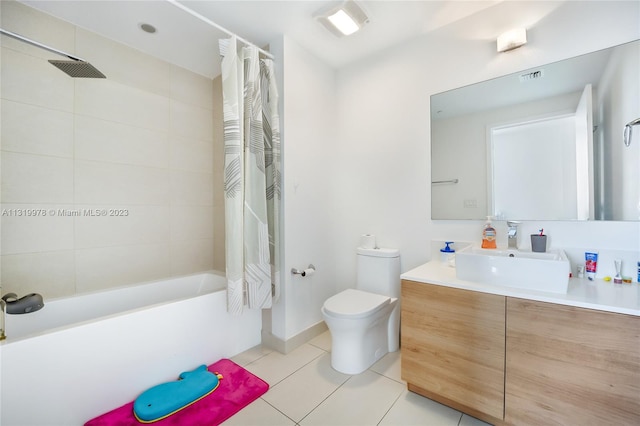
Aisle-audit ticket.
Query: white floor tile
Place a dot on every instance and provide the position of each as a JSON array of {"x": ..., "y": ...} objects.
[
  {"x": 258, "y": 413},
  {"x": 471, "y": 421},
  {"x": 413, "y": 409},
  {"x": 305, "y": 390},
  {"x": 274, "y": 367},
  {"x": 362, "y": 400},
  {"x": 389, "y": 366},
  {"x": 301, "y": 392},
  {"x": 251, "y": 355},
  {"x": 322, "y": 341}
]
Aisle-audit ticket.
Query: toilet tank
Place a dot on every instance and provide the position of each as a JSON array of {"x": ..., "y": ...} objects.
[{"x": 379, "y": 271}]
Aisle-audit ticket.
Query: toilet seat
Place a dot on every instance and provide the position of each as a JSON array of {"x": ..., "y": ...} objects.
[{"x": 353, "y": 303}]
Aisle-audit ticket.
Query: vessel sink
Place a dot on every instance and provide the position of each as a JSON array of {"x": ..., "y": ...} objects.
[{"x": 515, "y": 268}]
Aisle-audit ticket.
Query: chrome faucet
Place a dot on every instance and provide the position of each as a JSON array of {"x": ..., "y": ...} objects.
[
  {"x": 10, "y": 304},
  {"x": 512, "y": 234},
  {"x": 2, "y": 308}
]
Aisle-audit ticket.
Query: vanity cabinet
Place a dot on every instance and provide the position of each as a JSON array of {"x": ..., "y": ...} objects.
[
  {"x": 453, "y": 347},
  {"x": 568, "y": 365},
  {"x": 519, "y": 362}
]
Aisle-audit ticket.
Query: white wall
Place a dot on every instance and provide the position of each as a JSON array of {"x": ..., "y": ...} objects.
[
  {"x": 384, "y": 129},
  {"x": 356, "y": 147},
  {"x": 310, "y": 209},
  {"x": 624, "y": 180}
]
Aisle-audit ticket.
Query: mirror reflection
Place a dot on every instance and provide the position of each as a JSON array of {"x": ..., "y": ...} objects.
[{"x": 547, "y": 143}]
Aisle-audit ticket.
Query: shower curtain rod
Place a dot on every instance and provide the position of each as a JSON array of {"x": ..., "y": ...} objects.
[{"x": 213, "y": 24}]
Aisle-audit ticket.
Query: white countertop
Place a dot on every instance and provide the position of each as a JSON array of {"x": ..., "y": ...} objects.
[{"x": 598, "y": 294}]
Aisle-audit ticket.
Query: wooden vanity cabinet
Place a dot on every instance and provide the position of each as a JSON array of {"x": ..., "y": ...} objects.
[
  {"x": 453, "y": 344},
  {"x": 513, "y": 361},
  {"x": 571, "y": 366}
]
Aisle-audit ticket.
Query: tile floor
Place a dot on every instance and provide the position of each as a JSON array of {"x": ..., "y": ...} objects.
[{"x": 305, "y": 390}]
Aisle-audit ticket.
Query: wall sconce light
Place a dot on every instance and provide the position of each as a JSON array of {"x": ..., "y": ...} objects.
[
  {"x": 512, "y": 39},
  {"x": 343, "y": 20}
]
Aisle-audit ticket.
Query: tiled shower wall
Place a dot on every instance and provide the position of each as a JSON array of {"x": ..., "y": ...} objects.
[{"x": 105, "y": 182}]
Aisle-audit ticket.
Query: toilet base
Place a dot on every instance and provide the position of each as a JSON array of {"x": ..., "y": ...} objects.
[
  {"x": 355, "y": 347},
  {"x": 345, "y": 360}
]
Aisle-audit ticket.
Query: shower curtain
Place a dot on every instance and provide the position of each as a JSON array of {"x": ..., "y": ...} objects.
[{"x": 251, "y": 177}]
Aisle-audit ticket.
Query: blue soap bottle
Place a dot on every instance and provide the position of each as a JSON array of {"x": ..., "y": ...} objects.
[{"x": 447, "y": 253}]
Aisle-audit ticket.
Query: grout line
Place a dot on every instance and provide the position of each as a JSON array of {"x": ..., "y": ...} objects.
[
  {"x": 279, "y": 411},
  {"x": 327, "y": 397},
  {"x": 293, "y": 372},
  {"x": 392, "y": 404}
]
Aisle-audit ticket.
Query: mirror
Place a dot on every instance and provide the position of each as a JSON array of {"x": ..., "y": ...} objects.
[{"x": 547, "y": 143}]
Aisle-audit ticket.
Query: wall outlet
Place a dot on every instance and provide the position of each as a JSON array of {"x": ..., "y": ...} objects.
[{"x": 470, "y": 203}]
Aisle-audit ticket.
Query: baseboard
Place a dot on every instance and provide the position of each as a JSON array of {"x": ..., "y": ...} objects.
[{"x": 286, "y": 346}]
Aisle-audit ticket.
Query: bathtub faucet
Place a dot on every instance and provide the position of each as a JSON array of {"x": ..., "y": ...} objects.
[
  {"x": 2, "y": 306},
  {"x": 10, "y": 304},
  {"x": 26, "y": 304}
]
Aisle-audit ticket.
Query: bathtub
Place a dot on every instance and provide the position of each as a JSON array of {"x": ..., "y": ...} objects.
[{"x": 81, "y": 356}]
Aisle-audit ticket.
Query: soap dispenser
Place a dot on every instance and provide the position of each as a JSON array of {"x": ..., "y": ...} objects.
[
  {"x": 489, "y": 235},
  {"x": 447, "y": 253}
]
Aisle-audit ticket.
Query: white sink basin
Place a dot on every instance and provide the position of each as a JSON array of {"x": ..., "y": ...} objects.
[{"x": 514, "y": 268}]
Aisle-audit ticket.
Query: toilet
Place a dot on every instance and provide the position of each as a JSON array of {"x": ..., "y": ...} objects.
[{"x": 365, "y": 322}]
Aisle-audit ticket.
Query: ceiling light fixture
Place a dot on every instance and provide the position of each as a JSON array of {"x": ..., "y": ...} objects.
[
  {"x": 512, "y": 39},
  {"x": 343, "y": 20}
]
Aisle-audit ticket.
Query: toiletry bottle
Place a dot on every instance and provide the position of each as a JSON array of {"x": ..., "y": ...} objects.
[
  {"x": 617, "y": 279},
  {"x": 447, "y": 252},
  {"x": 489, "y": 235}
]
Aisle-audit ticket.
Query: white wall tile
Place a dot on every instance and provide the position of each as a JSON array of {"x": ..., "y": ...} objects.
[
  {"x": 33, "y": 234},
  {"x": 191, "y": 256},
  {"x": 117, "y": 184},
  {"x": 108, "y": 100},
  {"x": 219, "y": 254},
  {"x": 140, "y": 140},
  {"x": 127, "y": 224},
  {"x": 108, "y": 141},
  {"x": 28, "y": 178},
  {"x": 124, "y": 64},
  {"x": 36, "y": 25},
  {"x": 189, "y": 121},
  {"x": 191, "y": 155},
  {"x": 51, "y": 273},
  {"x": 34, "y": 81},
  {"x": 191, "y": 222},
  {"x": 36, "y": 130},
  {"x": 101, "y": 268},
  {"x": 191, "y": 188},
  {"x": 190, "y": 88}
]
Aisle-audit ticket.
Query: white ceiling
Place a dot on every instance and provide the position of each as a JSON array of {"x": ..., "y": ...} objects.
[{"x": 184, "y": 40}]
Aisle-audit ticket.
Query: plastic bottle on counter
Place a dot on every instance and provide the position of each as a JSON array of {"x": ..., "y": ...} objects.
[{"x": 489, "y": 235}]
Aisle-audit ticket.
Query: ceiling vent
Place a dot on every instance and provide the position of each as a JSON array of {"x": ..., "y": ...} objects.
[{"x": 533, "y": 75}]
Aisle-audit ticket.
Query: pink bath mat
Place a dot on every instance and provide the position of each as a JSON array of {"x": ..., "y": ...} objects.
[{"x": 237, "y": 389}]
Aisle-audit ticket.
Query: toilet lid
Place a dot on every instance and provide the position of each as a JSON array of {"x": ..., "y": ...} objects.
[{"x": 353, "y": 303}]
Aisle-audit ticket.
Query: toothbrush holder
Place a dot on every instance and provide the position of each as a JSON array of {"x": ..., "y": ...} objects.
[{"x": 538, "y": 243}]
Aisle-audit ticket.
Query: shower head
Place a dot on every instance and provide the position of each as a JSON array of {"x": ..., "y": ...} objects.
[
  {"x": 74, "y": 66},
  {"x": 77, "y": 69}
]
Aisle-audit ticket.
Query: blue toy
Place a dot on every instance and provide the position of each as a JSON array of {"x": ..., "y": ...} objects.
[{"x": 166, "y": 399}]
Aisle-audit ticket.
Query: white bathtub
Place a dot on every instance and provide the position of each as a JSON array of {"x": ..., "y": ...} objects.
[{"x": 81, "y": 356}]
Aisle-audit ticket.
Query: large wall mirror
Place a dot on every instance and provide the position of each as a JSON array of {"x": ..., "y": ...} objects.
[{"x": 546, "y": 143}]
